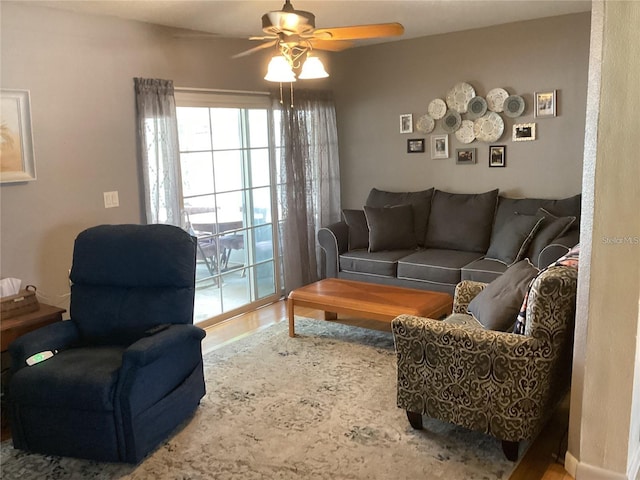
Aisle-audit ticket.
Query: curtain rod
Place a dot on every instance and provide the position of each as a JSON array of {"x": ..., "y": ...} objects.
[{"x": 214, "y": 90}]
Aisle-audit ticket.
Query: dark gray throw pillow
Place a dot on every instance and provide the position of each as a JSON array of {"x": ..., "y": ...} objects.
[
  {"x": 510, "y": 244},
  {"x": 460, "y": 221},
  {"x": 358, "y": 229},
  {"x": 551, "y": 228},
  {"x": 420, "y": 201},
  {"x": 497, "y": 306},
  {"x": 390, "y": 228}
]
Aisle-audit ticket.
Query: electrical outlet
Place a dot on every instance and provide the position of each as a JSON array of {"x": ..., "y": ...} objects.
[{"x": 111, "y": 199}]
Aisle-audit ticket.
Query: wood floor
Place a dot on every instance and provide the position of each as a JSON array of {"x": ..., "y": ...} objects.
[{"x": 538, "y": 463}]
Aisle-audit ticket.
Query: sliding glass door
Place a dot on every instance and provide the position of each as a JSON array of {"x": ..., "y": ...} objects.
[{"x": 226, "y": 151}]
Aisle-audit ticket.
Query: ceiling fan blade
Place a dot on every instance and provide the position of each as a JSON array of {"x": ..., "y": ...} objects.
[
  {"x": 330, "y": 45},
  {"x": 356, "y": 32},
  {"x": 269, "y": 37},
  {"x": 262, "y": 46}
]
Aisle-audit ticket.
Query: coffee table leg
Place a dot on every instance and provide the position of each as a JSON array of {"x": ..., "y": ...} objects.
[
  {"x": 292, "y": 329},
  {"x": 330, "y": 316}
]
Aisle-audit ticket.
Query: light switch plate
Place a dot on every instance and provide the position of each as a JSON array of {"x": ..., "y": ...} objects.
[{"x": 111, "y": 199}]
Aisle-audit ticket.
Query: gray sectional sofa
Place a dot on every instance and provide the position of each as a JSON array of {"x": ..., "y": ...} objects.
[{"x": 434, "y": 239}]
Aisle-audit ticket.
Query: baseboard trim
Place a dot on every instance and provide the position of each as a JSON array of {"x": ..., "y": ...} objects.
[
  {"x": 584, "y": 471},
  {"x": 570, "y": 464},
  {"x": 634, "y": 467}
]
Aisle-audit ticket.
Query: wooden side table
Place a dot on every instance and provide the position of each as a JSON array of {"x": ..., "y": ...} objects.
[{"x": 14, "y": 327}]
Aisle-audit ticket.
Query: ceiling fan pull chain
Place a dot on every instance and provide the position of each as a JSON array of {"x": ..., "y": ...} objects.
[
  {"x": 281, "y": 101},
  {"x": 291, "y": 94}
]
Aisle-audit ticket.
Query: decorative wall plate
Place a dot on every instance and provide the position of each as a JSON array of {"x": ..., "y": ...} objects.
[
  {"x": 476, "y": 108},
  {"x": 466, "y": 133},
  {"x": 451, "y": 121},
  {"x": 496, "y": 98},
  {"x": 437, "y": 108},
  {"x": 459, "y": 96},
  {"x": 514, "y": 106},
  {"x": 425, "y": 124},
  {"x": 489, "y": 128}
]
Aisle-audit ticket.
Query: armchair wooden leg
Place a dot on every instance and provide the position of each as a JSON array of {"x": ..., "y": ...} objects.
[
  {"x": 510, "y": 450},
  {"x": 415, "y": 419}
]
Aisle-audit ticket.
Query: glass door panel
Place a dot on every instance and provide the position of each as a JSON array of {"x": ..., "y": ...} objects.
[{"x": 227, "y": 198}]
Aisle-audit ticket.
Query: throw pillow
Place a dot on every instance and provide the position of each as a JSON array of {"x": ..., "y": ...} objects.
[
  {"x": 461, "y": 221},
  {"x": 497, "y": 306},
  {"x": 551, "y": 228},
  {"x": 420, "y": 201},
  {"x": 510, "y": 244},
  {"x": 390, "y": 228},
  {"x": 358, "y": 229}
]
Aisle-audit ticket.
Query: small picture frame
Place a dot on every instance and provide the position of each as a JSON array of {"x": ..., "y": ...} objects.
[
  {"x": 415, "y": 145},
  {"x": 439, "y": 146},
  {"x": 497, "y": 155},
  {"x": 465, "y": 156},
  {"x": 406, "y": 123},
  {"x": 545, "y": 104},
  {"x": 524, "y": 132}
]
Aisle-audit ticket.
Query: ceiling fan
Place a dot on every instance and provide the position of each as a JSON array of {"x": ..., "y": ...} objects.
[{"x": 293, "y": 33}]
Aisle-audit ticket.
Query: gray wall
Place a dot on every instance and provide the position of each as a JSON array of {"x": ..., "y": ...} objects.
[
  {"x": 374, "y": 85},
  {"x": 79, "y": 70}
]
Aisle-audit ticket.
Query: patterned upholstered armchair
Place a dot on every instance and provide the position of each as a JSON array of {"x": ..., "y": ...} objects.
[{"x": 499, "y": 383}]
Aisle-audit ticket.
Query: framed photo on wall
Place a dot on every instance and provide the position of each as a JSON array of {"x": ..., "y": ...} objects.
[
  {"x": 497, "y": 155},
  {"x": 415, "y": 145},
  {"x": 439, "y": 146},
  {"x": 523, "y": 132},
  {"x": 16, "y": 149},
  {"x": 406, "y": 123},
  {"x": 545, "y": 104},
  {"x": 465, "y": 156}
]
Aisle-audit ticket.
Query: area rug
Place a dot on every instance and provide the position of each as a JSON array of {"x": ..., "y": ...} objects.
[{"x": 321, "y": 405}]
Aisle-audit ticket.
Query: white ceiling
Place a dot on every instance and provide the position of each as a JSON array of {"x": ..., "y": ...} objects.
[{"x": 241, "y": 19}]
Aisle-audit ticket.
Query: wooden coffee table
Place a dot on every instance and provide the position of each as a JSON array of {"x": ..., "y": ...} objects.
[{"x": 369, "y": 300}]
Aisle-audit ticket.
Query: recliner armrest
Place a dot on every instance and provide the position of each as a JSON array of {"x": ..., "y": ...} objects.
[
  {"x": 148, "y": 349},
  {"x": 55, "y": 336},
  {"x": 156, "y": 365},
  {"x": 334, "y": 240}
]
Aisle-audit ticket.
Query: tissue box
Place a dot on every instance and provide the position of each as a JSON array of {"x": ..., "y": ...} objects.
[{"x": 23, "y": 302}]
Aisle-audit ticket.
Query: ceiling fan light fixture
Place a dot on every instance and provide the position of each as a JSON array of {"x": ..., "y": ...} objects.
[
  {"x": 313, "y": 68},
  {"x": 279, "y": 70}
]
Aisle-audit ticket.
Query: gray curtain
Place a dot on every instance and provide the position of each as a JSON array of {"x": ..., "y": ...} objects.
[
  {"x": 158, "y": 149},
  {"x": 309, "y": 181}
]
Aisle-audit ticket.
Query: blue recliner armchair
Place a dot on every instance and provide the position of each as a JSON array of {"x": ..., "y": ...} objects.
[{"x": 128, "y": 368}]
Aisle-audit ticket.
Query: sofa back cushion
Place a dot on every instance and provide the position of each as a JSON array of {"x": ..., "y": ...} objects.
[
  {"x": 529, "y": 206},
  {"x": 358, "y": 229},
  {"x": 461, "y": 221},
  {"x": 419, "y": 201}
]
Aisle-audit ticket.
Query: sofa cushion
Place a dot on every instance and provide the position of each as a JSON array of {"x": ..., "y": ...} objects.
[
  {"x": 565, "y": 207},
  {"x": 510, "y": 244},
  {"x": 435, "y": 265},
  {"x": 383, "y": 263},
  {"x": 358, "y": 229},
  {"x": 461, "y": 221},
  {"x": 483, "y": 270},
  {"x": 529, "y": 206},
  {"x": 420, "y": 201},
  {"x": 390, "y": 228},
  {"x": 496, "y": 307},
  {"x": 552, "y": 227}
]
